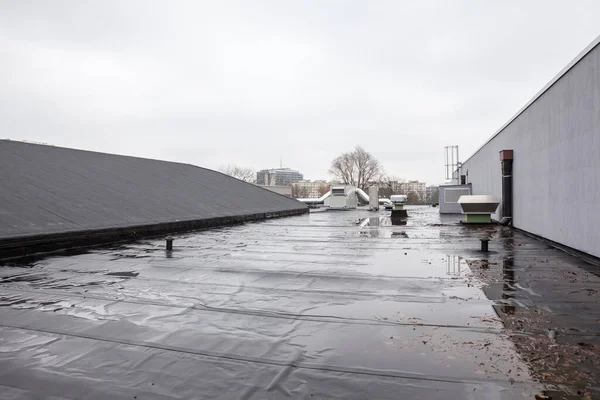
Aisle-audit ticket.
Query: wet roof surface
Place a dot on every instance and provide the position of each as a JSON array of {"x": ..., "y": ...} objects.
[{"x": 321, "y": 305}]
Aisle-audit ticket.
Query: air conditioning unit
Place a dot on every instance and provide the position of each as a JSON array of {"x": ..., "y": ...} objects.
[{"x": 478, "y": 209}]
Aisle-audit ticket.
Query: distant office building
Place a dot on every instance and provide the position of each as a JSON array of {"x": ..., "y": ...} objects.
[{"x": 278, "y": 177}]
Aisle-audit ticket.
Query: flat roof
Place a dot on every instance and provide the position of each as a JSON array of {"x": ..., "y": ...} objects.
[{"x": 326, "y": 304}]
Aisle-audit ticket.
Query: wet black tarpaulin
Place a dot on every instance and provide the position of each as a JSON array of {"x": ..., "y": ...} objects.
[
  {"x": 51, "y": 190},
  {"x": 311, "y": 306}
]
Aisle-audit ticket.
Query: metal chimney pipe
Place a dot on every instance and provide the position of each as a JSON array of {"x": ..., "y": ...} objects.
[
  {"x": 169, "y": 240},
  {"x": 506, "y": 160},
  {"x": 484, "y": 244}
]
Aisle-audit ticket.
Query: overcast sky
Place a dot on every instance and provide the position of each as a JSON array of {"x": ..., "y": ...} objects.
[{"x": 247, "y": 82}]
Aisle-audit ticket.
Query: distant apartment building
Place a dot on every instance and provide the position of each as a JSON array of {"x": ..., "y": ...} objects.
[
  {"x": 309, "y": 189},
  {"x": 420, "y": 188},
  {"x": 388, "y": 188},
  {"x": 278, "y": 177}
]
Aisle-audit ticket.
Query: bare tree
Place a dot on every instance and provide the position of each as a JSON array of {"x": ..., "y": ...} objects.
[
  {"x": 356, "y": 168},
  {"x": 432, "y": 195},
  {"x": 435, "y": 196},
  {"x": 241, "y": 173},
  {"x": 300, "y": 191},
  {"x": 295, "y": 190},
  {"x": 323, "y": 189},
  {"x": 389, "y": 185},
  {"x": 413, "y": 198}
]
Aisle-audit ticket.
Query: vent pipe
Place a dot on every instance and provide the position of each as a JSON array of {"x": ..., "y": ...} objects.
[{"x": 506, "y": 160}]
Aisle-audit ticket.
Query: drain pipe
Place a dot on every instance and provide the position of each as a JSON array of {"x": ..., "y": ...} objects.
[{"x": 506, "y": 160}]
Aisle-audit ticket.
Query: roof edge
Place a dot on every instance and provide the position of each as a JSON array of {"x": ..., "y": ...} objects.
[
  {"x": 41, "y": 244},
  {"x": 52, "y": 146},
  {"x": 539, "y": 94}
]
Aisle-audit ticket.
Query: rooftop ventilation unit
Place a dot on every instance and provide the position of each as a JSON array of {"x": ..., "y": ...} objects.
[
  {"x": 478, "y": 209},
  {"x": 373, "y": 198},
  {"x": 338, "y": 191},
  {"x": 398, "y": 210},
  {"x": 342, "y": 198},
  {"x": 398, "y": 199}
]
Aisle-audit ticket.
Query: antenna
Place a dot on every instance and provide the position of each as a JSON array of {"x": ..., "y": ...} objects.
[{"x": 452, "y": 164}]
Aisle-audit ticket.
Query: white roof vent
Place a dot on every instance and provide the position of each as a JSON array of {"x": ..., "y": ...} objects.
[
  {"x": 478, "y": 204},
  {"x": 398, "y": 198},
  {"x": 478, "y": 209}
]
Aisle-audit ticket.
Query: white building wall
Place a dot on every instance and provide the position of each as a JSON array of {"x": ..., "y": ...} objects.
[{"x": 556, "y": 168}]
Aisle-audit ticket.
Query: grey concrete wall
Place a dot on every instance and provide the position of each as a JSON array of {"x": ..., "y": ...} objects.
[{"x": 556, "y": 169}]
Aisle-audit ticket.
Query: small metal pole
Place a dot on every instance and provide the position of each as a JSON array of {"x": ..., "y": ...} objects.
[
  {"x": 484, "y": 244},
  {"x": 169, "y": 240}
]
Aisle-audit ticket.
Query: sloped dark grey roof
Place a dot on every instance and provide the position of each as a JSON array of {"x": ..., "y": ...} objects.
[{"x": 52, "y": 190}]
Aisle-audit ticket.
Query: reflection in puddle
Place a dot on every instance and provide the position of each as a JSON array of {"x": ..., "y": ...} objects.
[
  {"x": 508, "y": 287},
  {"x": 375, "y": 222},
  {"x": 501, "y": 282},
  {"x": 453, "y": 265},
  {"x": 398, "y": 221},
  {"x": 400, "y": 234},
  {"x": 124, "y": 274},
  {"x": 382, "y": 221}
]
